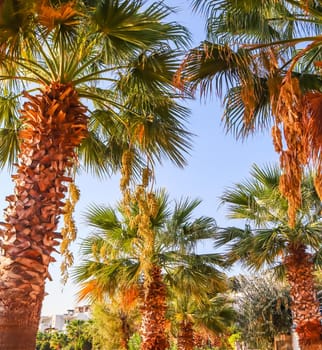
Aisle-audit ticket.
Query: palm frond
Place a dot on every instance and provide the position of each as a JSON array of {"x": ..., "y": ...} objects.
[{"x": 9, "y": 146}]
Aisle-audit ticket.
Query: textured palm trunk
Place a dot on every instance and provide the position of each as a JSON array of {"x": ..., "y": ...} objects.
[
  {"x": 305, "y": 306},
  {"x": 54, "y": 124},
  {"x": 126, "y": 331},
  {"x": 153, "y": 327},
  {"x": 185, "y": 336}
]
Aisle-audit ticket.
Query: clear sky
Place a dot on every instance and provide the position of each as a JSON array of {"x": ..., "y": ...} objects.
[{"x": 216, "y": 161}]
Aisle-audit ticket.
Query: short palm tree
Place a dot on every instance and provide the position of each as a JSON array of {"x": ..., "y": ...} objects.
[
  {"x": 268, "y": 241},
  {"x": 206, "y": 317},
  {"x": 113, "y": 324},
  {"x": 80, "y": 69},
  {"x": 268, "y": 55},
  {"x": 115, "y": 258}
]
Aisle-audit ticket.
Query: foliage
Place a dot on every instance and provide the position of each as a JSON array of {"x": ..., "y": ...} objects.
[
  {"x": 268, "y": 241},
  {"x": 134, "y": 342},
  {"x": 109, "y": 322},
  {"x": 78, "y": 336},
  {"x": 263, "y": 307},
  {"x": 115, "y": 256},
  {"x": 267, "y": 236},
  {"x": 268, "y": 56}
]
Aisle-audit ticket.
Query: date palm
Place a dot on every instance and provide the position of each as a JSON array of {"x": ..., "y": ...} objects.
[
  {"x": 77, "y": 68},
  {"x": 268, "y": 241},
  {"x": 115, "y": 258},
  {"x": 268, "y": 55}
]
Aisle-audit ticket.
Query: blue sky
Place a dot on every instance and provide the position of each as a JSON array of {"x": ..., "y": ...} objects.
[{"x": 216, "y": 161}]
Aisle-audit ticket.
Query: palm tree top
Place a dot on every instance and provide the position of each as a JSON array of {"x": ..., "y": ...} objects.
[
  {"x": 258, "y": 201},
  {"x": 114, "y": 249},
  {"x": 120, "y": 56}
]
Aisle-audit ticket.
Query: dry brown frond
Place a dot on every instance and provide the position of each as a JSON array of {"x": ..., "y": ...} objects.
[
  {"x": 50, "y": 16},
  {"x": 289, "y": 110}
]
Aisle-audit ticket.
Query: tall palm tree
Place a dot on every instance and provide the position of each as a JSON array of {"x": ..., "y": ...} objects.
[
  {"x": 268, "y": 241},
  {"x": 77, "y": 67},
  {"x": 268, "y": 54},
  {"x": 115, "y": 258}
]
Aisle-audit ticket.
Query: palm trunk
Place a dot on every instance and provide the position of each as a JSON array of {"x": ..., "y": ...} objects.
[
  {"x": 54, "y": 124},
  {"x": 126, "y": 331},
  {"x": 185, "y": 336},
  {"x": 305, "y": 306},
  {"x": 153, "y": 327}
]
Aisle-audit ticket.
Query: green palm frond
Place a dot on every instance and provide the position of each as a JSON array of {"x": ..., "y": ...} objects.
[
  {"x": 212, "y": 66},
  {"x": 258, "y": 201},
  {"x": 102, "y": 218},
  {"x": 215, "y": 315},
  {"x": 124, "y": 28},
  {"x": 9, "y": 146},
  {"x": 95, "y": 156},
  {"x": 15, "y": 25},
  {"x": 107, "y": 276},
  {"x": 130, "y": 83},
  {"x": 114, "y": 244},
  {"x": 151, "y": 71},
  {"x": 241, "y": 122}
]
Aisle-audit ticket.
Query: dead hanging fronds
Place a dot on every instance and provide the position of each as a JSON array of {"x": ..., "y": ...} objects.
[
  {"x": 292, "y": 159},
  {"x": 250, "y": 101},
  {"x": 69, "y": 231},
  {"x": 274, "y": 83},
  {"x": 313, "y": 112},
  {"x": 318, "y": 181},
  {"x": 277, "y": 138},
  {"x": 64, "y": 15},
  {"x": 269, "y": 60},
  {"x": 301, "y": 118}
]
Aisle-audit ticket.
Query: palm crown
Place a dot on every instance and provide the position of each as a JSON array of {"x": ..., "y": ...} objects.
[{"x": 269, "y": 241}]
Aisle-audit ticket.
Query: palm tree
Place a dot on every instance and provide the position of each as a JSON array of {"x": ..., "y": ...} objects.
[
  {"x": 113, "y": 324},
  {"x": 115, "y": 257},
  {"x": 73, "y": 53},
  {"x": 206, "y": 317},
  {"x": 78, "y": 335},
  {"x": 271, "y": 242},
  {"x": 268, "y": 55}
]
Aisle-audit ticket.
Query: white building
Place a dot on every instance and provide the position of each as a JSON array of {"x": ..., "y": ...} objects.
[{"x": 59, "y": 322}]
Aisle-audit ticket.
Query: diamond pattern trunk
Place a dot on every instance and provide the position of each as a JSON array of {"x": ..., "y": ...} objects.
[
  {"x": 305, "y": 306},
  {"x": 186, "y": 336},
  {"x": 54, "y": 123},
  {"x": 153, "y": 327}
]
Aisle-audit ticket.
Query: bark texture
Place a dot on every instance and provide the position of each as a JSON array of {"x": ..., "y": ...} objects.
[
  {"x": 305, "y": 305},
  {"x": 153, "y": 327},
  {"x": 126, "y": 330},
  {"x": 54, "y": 123},
  {"x": 186, "y": 336}
]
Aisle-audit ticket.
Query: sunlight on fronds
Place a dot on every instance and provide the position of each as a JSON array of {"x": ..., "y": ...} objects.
[
  {"x": 90, "y": 289},
  {"x": 50, "y": 17}
]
